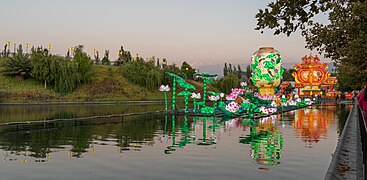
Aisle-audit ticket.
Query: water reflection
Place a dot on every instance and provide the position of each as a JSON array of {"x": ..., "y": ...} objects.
[
  {"x": 265, "y": 139},
  {"x": 313, "y": 124},
  {"x": 20, "y": 113}
]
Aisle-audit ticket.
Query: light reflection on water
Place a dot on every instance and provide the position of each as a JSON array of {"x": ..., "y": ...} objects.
[{"x": 297, "y": 145}]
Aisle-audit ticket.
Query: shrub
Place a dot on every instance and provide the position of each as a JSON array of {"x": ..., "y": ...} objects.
[
  {"x": 19, "y": 65},
  {"x": 142, "y": 73}
]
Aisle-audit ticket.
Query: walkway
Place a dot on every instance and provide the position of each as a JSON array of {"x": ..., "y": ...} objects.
[{"x": 347, "y": 159}]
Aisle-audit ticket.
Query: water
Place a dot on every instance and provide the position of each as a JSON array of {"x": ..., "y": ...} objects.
[{"x": 297, "y": 145}]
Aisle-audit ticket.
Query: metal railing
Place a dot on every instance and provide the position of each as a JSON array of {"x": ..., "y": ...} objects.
[{"x": 363, "y": 128}]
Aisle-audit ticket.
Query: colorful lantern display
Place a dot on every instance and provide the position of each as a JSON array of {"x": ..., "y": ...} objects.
[
  {"x": 310, "y": 75},
  {"x": 329, "y": 87},
  {"x": 267, "y": 71}
]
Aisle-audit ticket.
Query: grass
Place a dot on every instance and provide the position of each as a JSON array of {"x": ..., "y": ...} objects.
[{"x": 107, "y": 85}]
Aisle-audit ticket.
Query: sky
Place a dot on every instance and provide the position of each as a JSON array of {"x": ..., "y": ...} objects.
[{"x": 205, "y": 33}]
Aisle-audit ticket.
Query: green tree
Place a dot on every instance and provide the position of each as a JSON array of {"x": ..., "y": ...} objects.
[
  {"x": 343, "y": 38},
  {"x": 85, "y": 64},
  {"x": 226, "y": 83},
  {"x": 142, "y": 73},
  {"x": 19, "y": 65},
  {"x": 105, "y": 60},
  {"x": 187, "y": 70},
  {"x": 287, "y": 75},
  {"x": 225, "y": 70},
  {"x": 239, "y": 72},
  {"x": 248, "y": 72}
]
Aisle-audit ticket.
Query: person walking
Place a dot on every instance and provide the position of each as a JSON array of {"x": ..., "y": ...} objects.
[{"x": 361, "y": 98}]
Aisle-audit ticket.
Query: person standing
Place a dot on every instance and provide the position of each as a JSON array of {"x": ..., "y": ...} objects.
[{"x": 362, "y": 99}]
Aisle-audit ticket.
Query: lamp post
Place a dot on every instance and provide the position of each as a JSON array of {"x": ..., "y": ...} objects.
[
  {"x": 49, "y": 47},
  {"x": 8, "y": 45},
  {"x": 26, "y": 47},
  {"x": 94, "y": 52},
  {"x": 72, "y": 51}
]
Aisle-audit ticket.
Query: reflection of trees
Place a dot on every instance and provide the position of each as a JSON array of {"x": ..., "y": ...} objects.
[
  {"x": 39, "y": 143},
  {"x": 134, "y": 132},
  {"x": 40, "y": 112},
  {"x": 266, "y": 141},
  {"x": 312, "y": 124}
]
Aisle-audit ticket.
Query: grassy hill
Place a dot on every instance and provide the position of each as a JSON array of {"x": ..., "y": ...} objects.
[{"x": 107, "y": 85}]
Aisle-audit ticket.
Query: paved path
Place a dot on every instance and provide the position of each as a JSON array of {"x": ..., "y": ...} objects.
[{"x": 347, "y": 159}]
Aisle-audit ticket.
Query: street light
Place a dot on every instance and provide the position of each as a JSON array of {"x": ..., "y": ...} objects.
[
  {"x": 49, "y": 48},
  {"x": 72, "y": 51},
  {"x": 26, "y": 47},
  {"x": 8, "y": 45}
]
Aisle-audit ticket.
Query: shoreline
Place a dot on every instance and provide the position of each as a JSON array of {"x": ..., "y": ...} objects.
[{"x": 83, "y": 103}]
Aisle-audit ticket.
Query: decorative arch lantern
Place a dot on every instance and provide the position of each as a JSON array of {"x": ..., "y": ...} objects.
[
  {"x": 310, "y": 75},
  {"x": 267, "y": 70}
]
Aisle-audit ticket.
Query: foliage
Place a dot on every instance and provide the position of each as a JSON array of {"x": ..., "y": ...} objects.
[
  {"x": 187, "y": 70},
  {"x": 85, "y": 64},
  {"x": 96, "y": 58},
  {"x": 287, "y": 75},
  {"x": 343, "y": 39},
  {"x": 18, "y": 65},
  {"x": 142, "y": 73},
  {"x": 226, "y": 83},
  {"x": 124, "y": 57},
  {"x": 60, "y": 73},
  {"x": 105, "y": 60}
]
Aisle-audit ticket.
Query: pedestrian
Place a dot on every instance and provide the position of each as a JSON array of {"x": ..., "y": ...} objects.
[{"x": 362, "y": 99}]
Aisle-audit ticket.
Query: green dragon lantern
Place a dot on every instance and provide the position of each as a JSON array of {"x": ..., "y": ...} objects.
[{"x": 267, "y": 71}]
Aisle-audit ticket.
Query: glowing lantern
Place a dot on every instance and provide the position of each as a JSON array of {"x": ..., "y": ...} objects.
[
  {"x": 310, "y": 75},
  {"x": 267, "y": 71}
]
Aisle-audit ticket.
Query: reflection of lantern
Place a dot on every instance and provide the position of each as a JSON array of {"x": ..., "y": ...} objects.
[
  {"x": 267, "y": 71},
  {"x": 266, "y": 142},
  {"x": 312, "y": 124}
]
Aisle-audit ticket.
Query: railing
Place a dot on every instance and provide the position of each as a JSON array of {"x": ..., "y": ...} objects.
[{"x": 363, "y": 126}]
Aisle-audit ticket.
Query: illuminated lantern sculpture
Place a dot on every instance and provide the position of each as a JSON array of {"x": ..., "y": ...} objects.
[
  {"x": 310, "y": 75},
  {"x": 329, "y": 87},
  {"x": 267, "y": 71}
]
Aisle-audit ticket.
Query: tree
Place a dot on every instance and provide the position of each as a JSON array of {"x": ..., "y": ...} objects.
[
  {"x": 158, "y": 64},
  {"x": 19, "y": 65},
  {"x": 85, "y": 64},
  {"x": 187, "y": 70},
  {"x": 239, "y": 73},
  {"x": 248, "y": 72},
  {"x": 226, "y": 83},
  {"x": 343, "y": 39},
  {"x": 230, "y": 70},
  {"x": 106, "y": 61},
  {"x": 119, "y": 60},
  {"x": 96, "y": 58},
  {"x": 287, "y": 75},
  {"x": 225, "y": 70}
]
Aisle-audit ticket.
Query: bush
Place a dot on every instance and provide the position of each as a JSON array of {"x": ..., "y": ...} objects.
[
  {"x": 60, "y": 73},
  {"x": 19, "y": 65},
  {"x": 143, "y": 74},
  {"x": 226, "y": 83}
]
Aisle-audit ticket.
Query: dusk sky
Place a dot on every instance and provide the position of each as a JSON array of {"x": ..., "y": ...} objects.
[{"x": 201, "y": 32}]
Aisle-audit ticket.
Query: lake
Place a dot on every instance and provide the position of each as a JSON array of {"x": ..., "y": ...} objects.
[{"x": 295, "y": 145}]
